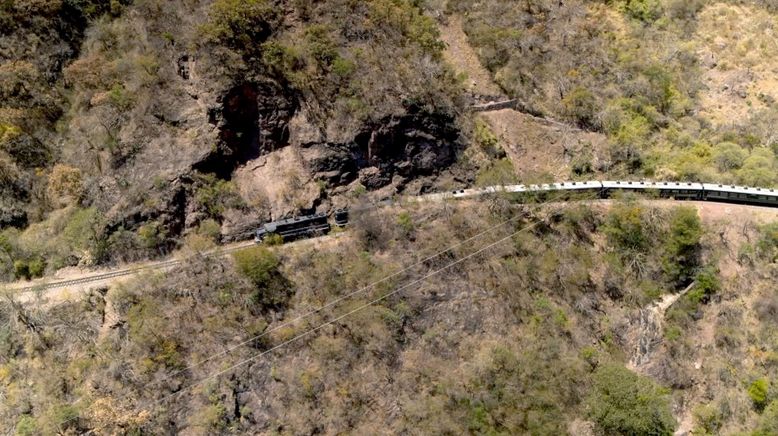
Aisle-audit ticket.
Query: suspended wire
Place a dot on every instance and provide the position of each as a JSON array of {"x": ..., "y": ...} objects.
[
  {"x": 337, "y": 300},
  {"x": 345, "y": 315},
  {"x": 340, "y": 299}
]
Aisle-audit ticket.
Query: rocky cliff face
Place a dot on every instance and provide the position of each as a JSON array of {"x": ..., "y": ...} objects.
[
  {"x": 412, "y": 145},
  {"x": 175, "y": 112}
]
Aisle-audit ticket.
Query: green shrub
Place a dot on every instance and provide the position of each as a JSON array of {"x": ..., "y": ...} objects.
[
  {"x": 682, "y": 248},
  {"x": 151, "y": 235},
  {"x": 343, "y": 68},
  {"x": 262, "y": 268},
  {"x": 759, "y": 169},
  {"x": 484, "y": 137},
  {"x": 320, "y": 45},
  {"x": 210, "y": 229},
  {"x": 499, "y": 172},
  {"x": 58, "y": 419},
  {"x": 258, "y": 264},
  {"x": 83, "y": 231},
  {"x": 273, "y": 239},
  {"x": 767, "y": 246},
  {"x": 216, "y": 195},
  {"x": 673, "y": 333},
  {"x": 706, "y": 284},
  {"x": 581, "y": 163},
  {"x": 27, "y": 426},
  {"x": 707, "y": 418},
  {"x": 120, "y": 98},
  {"x": 21, "y": 269},
  {"x": 757, "y": 391},
  {"x": 282, "y": 59},
  {"x": 644, "y": 10},
  {"x": 36, "y": 267},
  {"x": 625, "y": 403},
  {"x": 241, "y": 24},
  {"x": 210, "y": 418},
  {"x": 625, "y": 227},
  {"x": 405, "y": 221},
  {"x": 729, "y": 156},
  {"x": 522, "y": 392},
  {"x": 580, "y": 105}
]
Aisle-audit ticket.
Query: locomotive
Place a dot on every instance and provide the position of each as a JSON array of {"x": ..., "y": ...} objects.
[
  {"x": 318, "y": 224},
  {"x": 304, "y": 226}
]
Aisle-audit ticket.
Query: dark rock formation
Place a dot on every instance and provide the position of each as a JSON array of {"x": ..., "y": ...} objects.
[
  {"x": 252, "y": 120},
  {"x": 416, "y": 144}
]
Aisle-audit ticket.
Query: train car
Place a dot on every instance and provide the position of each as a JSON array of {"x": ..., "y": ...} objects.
[
  {"x": 293, "y": 228},
  {"x": 341, "y": 217},
  {"x": 674, "y": 190},
  {"x": 740, "y": 194}
]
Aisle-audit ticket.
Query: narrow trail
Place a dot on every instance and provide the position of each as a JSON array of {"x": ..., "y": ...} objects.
[{"x": 650, "y": 330}]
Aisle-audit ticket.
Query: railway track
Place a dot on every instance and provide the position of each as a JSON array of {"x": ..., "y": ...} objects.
[
  {"x": 676, "y": 190},
  {"x": 97, "y": 277}
]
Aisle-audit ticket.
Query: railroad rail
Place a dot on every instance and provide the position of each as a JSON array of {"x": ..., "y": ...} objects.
[
  {"x": 603, "y": 189},
  {"x": 124, "y": 272}
]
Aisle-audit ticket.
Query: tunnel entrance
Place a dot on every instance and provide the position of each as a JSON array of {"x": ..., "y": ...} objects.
[{"x": 254, "y": 121}]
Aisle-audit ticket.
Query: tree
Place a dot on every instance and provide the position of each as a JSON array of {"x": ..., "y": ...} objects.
[
  {"x": 262, "y": 268},
  {"x": 758, "y": 169},
  {"x": 682, "y": 248},
  {"x": 625, "y": 403},
  {"x": 757, "y": 391},
  {"x": 729, "y": 156}
]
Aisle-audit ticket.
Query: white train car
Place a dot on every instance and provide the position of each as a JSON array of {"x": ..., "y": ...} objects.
[
  {"x": 675, "y": 190},
  {"x": 740, "y": 194}
]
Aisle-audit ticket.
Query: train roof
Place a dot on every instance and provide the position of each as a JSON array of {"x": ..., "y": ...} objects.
[
  {"x": 740, "y": 189},
  {"x": 297, "y": 219},
  {"x": 619, "y": 184},
  {"x": 594, "y": 185}
]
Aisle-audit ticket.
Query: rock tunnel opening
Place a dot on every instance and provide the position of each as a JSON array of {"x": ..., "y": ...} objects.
[{"x": 253, "y": 120}]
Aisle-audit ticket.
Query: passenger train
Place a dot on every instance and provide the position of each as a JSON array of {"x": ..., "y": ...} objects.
[
  {"x": 316, "y": 224},
  {"x": 606, "y": 189}
]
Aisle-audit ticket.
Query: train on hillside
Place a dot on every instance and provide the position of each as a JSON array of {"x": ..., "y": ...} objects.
[
  {"x": 304, "y": 226},
  {"x": 607, "y": 189},
  {"x": 318, "y": 224}
]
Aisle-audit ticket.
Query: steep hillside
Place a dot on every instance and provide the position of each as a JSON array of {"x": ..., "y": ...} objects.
[
  {"x": 679, "y": 89},
  {"x": 131, "y": 124},
  {"x": 133, "y": 128},
  {"x": 527, "y": 335}
]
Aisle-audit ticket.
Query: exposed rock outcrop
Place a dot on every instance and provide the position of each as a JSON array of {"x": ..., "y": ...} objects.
[{"x": 413, "y": 145}]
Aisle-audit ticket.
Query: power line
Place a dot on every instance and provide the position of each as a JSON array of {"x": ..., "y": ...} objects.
[
  {"x": 334, "y": 302},
  {"x": 308, "y": 332},
  {"x": 334, "y": 320},
  {"x": 339, "y": 299}
]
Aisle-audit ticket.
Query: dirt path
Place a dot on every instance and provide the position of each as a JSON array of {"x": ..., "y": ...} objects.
[
  {"x": 460, "y": 54},
  {"x": 650, "y": 330}
]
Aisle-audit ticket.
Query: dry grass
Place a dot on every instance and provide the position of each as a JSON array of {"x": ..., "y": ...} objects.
[
  {"x": 460, "y": 54},
  {"x": 738, "y": 47},
  {"x": 541, "y": 149}
]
